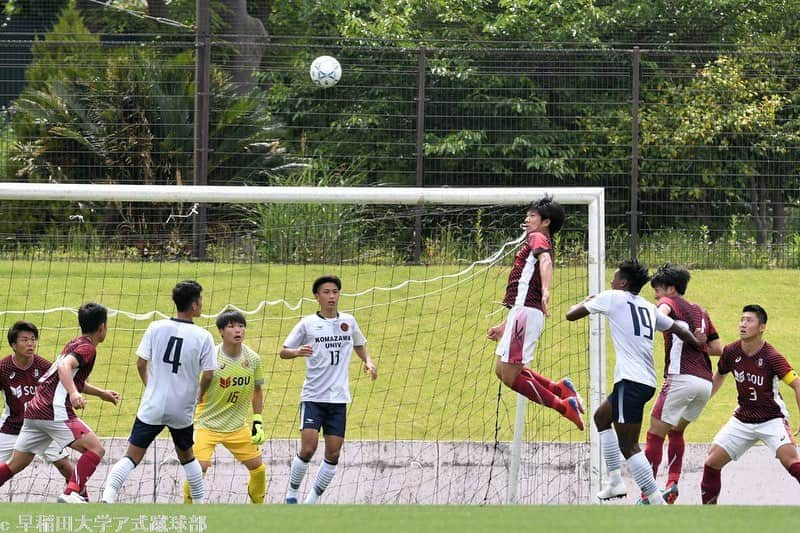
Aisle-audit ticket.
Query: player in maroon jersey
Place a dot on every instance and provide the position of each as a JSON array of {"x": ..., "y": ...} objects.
[
  {"x": 527, "y": 297},
  {"x": 687, "y": 372},
  {"x": 50, "y": 415},
  {"x": 19, "y": 374},
  {"x": 761, "y": 415}
]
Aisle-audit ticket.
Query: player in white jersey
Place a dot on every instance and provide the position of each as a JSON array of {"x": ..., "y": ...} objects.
[
  {"x": 326, "y": 339},
  {"x": 634, "y": 322},
  {"x": 173, "y": 354}
]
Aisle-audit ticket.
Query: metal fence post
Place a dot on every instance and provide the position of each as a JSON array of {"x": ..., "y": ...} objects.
[
  {"x": 201, "y": 118},
  {"x": 635, "y": 154},
  {"x": 420, "y": 146}
]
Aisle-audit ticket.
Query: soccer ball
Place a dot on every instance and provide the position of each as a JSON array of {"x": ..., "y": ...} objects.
[{"x": 325, "y": 71}]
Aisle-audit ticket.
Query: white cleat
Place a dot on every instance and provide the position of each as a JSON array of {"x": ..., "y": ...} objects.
[
  {"x": 72, "y": 497},
  {"x": 611, "y": 491}
]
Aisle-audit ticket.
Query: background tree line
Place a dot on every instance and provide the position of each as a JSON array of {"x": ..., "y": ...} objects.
[{"x": 516, "y": 93}]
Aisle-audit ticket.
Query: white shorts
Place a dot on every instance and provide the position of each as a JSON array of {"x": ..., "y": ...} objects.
[
  {"x": 682, "y": 396},
  {"x": 524, "y": 326},
  {"x": 52, "y": 454},
  {"x": 37, "y": 435},
  {"x": 736, "y": 437}
]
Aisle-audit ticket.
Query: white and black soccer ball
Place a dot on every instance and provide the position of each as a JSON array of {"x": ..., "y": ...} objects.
[{"x": 325, "y": 71}]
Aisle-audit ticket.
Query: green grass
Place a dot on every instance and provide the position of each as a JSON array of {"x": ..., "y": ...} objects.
[
  {"x": 442, "y": 519},
  {"x": 436, "y": 379}
]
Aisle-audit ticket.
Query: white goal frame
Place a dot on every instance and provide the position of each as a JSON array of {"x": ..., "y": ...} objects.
[{"x": 592, "y": 197}]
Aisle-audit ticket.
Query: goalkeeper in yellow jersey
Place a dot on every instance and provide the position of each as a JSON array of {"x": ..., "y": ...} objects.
[{"x": 223, "y": 416}]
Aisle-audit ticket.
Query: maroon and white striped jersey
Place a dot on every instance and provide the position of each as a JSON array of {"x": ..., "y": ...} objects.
[
  {"x": 51, "y": 400},
  {"x": 680, "y": 357},
  {"x": 524, "y": 286},
  {"x": 18, "y": 385},
  {"x": 757, "y": 379}
]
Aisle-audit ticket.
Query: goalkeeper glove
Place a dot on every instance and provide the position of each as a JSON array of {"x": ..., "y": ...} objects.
[{"x": 257, "y": 433}]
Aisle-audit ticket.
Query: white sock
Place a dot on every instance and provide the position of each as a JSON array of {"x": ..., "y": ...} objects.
[
  {"x": 609, "y": 446},
  {"x": 296, "y": 475},
  {"x": 194, "y": 475},
  {"x": 324, "y": 476},
  {"x": 642, "y": 473},
  {"x": 119, "y": 473}
]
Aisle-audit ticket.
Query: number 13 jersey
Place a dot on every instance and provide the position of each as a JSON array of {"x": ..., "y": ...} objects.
[
  {"x": 328, "y": 377},
  {"x": 178, "y": 352},
  {"x": 633, "y": 322}
]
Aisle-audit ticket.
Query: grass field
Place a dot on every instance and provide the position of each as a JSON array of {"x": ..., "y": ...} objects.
[
  {"x": 436, "y": 366},
  {"x": 367, "y": 519}
]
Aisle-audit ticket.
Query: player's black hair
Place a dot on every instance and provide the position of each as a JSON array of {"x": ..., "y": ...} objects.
[
  {"x": 20, "y": 326},
  {"x": 185, "y": 294},
  {"x": 635, "y": 273},
  {"x": 230, "y": 317},
  {"x": 550, "y": 210},
  {"x": 669, "y": 275},
  {"x": 758, "y": 310},
  {"x": 91, "y": 316},
  {"x": 326, "y": 279}
]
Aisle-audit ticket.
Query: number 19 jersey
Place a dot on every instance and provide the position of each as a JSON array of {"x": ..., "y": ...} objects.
[
  {"x": 178, "y": 352},
  {"x": 634, "y": 322},
  {"x": 327, "y": 378}
]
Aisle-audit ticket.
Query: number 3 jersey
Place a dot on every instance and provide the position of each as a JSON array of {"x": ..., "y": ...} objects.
[
  {"x": 178, "y": 352},
  {"x": 633, "y": 322},
  {"x": 328, "y": 378},
  {"x": 227, "y": 404},
  {"x": 757, "y": 378}
]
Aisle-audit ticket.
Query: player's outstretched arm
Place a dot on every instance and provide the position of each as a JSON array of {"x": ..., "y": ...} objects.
[
  {"x": 104, "y": 394},
  {"x": 577, "y": 312},
  {"x": 686, "y": 336},
  {"x": 369, "y": 366},
  {"x": 791, "y": 378},
  {"x": 546, "y": 272}
]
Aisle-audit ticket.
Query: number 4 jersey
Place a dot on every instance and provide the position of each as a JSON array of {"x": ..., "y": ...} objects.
[
  {"x": 178, "y": 352},
  {"x": 633, "y": 322},
  {"x": 328, "y": 378}
]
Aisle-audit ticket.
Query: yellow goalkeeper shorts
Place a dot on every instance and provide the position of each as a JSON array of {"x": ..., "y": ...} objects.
[{"x": 237, "y": 442}]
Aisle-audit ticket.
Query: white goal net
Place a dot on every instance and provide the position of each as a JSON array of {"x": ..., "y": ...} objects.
[{"x": 423, "y": 271}]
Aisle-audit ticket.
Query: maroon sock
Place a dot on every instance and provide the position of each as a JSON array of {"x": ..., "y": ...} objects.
[
  {"x": 530, "y": 387},
  {"x": 84, "y": 468},
  {"x": 675, "y": 450},
  {"x": 5, "y": 473},
  {"x": 547, "y": 382},
  {"x": 654, "y": 451},
  {"x": 711, "y": 485},
  {"x": 794, "y": 470}
]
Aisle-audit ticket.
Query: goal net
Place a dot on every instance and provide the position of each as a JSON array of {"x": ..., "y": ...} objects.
[{"x": 423, "y": 271}]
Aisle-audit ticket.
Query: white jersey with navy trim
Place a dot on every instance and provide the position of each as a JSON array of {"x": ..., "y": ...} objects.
[
  {"x": 332, "y": 339},
  {"x": 178, "y": 352},
  {"x": 634, "y": 322}
]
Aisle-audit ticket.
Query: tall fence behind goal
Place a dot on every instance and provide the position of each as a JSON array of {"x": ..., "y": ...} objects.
[{"x": 436, "y": 427}]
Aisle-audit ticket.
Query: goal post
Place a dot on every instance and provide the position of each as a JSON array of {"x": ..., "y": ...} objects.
[{"x": 525, "y": 447}]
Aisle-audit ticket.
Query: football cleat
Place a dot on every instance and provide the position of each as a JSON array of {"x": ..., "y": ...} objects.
[
  {"x": 670, "y": 494},
  {"x": 291, "y": 500},
  {"x": 568, "y": 390},
  {"x": 611, "y": 491},
  {"x": 573, "y": 412},
  {"x": 72, "y": 497}
]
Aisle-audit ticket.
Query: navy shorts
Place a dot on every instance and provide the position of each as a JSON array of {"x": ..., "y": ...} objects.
[
  {"x": 628, "y": 400},
  {"x": 142, "y": 435},
  {"x": 331, "y": 417}
]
